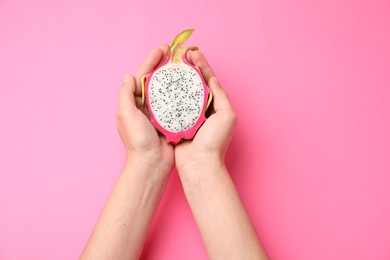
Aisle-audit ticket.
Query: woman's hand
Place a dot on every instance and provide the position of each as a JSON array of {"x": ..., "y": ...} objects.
[
  {"x": 212, "y": 139},
  {"x": 123, "y": 224},
  {"x": 142, "y": 142},
  {"x": 221, "y": 218}
]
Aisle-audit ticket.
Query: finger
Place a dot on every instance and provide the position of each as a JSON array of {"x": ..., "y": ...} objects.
[
  {"x": 189, "y": 57},
  {"x": 210, "y": 110},
  {"x": 148, "y": 66},
  {"x": 138, "y": 102},
  {"x": 198, "y": 59},
  {"x": 163, "y": 141},
  {"x": 165, "y": 49},
  {"x": 221, "y": 100},
  {"x": 143, "y": 109},
  {"x": 150, "y": 62},
  {"x": 126, "y": 94}
]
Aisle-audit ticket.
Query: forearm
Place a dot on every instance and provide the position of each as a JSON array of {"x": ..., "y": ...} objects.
[
  {"x": 222, "y": 219},
  {"x": 124, "y": 221}
]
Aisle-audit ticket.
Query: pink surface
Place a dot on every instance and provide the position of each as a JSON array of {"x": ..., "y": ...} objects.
[{"x": 310, "y": 158}]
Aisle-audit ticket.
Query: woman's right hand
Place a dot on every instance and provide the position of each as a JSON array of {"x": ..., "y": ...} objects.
[
  {"x": 212, "y": 139},
  {"x": 215, "y": 204}
]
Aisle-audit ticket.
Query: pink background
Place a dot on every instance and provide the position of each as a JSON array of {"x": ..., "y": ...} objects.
[{"x": 310, "y": 81}]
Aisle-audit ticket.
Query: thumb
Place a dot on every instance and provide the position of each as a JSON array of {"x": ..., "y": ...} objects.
[
  {"x": 127, "y": 92},
  {"x": 221, "y": 99}
]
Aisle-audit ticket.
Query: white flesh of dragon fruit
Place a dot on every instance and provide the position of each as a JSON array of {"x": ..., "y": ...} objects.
[{"x": 176, "y": 96}]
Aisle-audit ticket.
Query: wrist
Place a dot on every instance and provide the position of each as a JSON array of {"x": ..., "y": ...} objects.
[
  {"x": 195, "y": 160},
  {"x": 147, "y": 168},
  {"x": 200, "y": 171}
]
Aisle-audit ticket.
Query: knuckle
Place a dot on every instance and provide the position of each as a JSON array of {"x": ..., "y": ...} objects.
[
  {"x": 230, "y": 116},
  {"x": 225, "y": 93},
  {"x": 119, "y": 115},
  {"x": 118, "y": 124},
  {"x": 196, "y": 56},
  {"x": 156, "y": 50},
  {"x": 120, "y": 91},
  {"x": 128, "y": 81},
  {"x": 233, "y": 117}
]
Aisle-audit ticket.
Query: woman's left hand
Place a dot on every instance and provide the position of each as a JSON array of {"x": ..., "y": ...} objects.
[{"x": 142, "y": 142}]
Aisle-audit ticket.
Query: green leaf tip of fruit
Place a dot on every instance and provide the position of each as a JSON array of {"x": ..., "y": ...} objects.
[{"x": 181, "y": 38}]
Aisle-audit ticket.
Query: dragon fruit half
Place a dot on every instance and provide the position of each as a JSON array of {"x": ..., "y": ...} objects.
[{"x": 176, "y": 94}]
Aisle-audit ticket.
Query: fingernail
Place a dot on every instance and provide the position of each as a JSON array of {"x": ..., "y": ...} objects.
[{"x": 126, "y": 78}]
